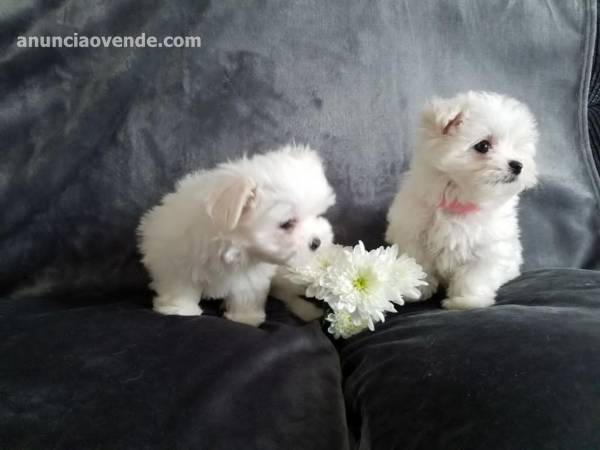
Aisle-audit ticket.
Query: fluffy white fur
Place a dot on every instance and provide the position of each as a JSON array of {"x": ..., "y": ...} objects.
[
  {"x": 223, "y": 232},
  {"x": 318, "y": 235},
  {"x": 475, "y": 252}
]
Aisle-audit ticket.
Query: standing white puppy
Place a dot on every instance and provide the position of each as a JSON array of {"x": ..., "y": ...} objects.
[
  {"x": 223, "y": 232},
  {"x": 456, "y": 211}
]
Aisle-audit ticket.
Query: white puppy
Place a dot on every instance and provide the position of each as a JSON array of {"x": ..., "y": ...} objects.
[
  {"x": 317, "y": 236},
  {"x": 456, "y": 211},
  {"x": 223, "y": 232}
]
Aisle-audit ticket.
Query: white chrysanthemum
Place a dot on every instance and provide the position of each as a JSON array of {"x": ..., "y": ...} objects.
[
  {"x": 404, "y": 275},
  {"x": 361, "y": 283},
  {"x": 408, "y": 276},
  {"x": 343, "y": 325},
  {"x": 316, "y": 270},
  {"x": 359, "y": 286}
]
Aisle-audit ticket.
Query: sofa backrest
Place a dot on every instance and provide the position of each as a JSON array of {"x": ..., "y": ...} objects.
[{"x": 91, "y": 137}]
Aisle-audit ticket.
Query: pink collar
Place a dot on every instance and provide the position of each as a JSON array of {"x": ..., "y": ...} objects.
[{"x": 454, "y": 206}]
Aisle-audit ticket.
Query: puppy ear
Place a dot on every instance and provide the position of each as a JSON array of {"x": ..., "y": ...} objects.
[
  {"x": 454, "y": 122},
  {"x": 442, "y": 116},
  {"x": 233, "y": 196}
]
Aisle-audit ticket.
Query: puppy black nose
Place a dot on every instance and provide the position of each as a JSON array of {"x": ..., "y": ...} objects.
[
  {"x": 515, "y": 166},
  {"x": 314, "y": 244}
]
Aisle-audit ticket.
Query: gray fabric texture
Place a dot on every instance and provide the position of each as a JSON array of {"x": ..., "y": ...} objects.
[
  {"x": 521, "y": 375},
  {"x": 93, "y": 137}
]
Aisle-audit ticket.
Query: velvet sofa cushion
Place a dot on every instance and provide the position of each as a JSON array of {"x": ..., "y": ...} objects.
[
  {"x": 98, "y": 373},
  {"x": 524, "y": 374}
]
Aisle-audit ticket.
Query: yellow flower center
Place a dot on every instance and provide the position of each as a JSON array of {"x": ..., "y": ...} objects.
[
  {"x": 361, "y": 283},
  {"x": 324, "y": 263}
]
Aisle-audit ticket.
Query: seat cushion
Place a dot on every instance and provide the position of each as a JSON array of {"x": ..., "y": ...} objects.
[
  {"x": 119, "y": 376},
  {"x": 524, "y": 374}
]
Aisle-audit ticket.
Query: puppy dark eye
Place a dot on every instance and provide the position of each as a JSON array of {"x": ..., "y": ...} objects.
[
  {"x": 482, "y": 146},
  {"x": 288, "y": 224}
]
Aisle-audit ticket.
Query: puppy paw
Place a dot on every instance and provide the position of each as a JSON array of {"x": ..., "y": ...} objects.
[
  {"x": 426, "y": 291},
  {"x": 252, "y": 318},
  {"x": 186, "y": 309},
  {"x": 305, "y": 311},
  {"x": 467, "y": 302}
]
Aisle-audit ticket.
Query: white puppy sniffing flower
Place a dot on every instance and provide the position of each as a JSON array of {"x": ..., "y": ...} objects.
[
  {"x": 317, "y": 237},
  {"x": 223, "y": 232},
  {"x": 456, "y": 211}
]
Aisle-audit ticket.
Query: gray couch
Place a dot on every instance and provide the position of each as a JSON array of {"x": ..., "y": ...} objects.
[{"x": 93, "y": 137}]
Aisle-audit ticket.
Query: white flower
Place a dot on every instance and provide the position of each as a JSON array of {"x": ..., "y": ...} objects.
[
  {"x": 408, "y": 276},
  {"x": 321, "y": 261},
  {"x": 316, "y": 270},
  {"x": 359, "y": 286},
  {"x": 342, "y": 325},
  {"x": 356, "y": 284}
]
